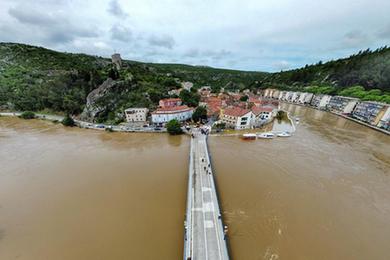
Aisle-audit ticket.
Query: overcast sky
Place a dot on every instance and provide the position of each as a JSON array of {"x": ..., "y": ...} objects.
[{"x": 261, "y": 35}]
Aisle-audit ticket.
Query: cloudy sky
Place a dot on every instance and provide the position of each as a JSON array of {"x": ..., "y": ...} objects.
[{"x": 261, "y": 35}]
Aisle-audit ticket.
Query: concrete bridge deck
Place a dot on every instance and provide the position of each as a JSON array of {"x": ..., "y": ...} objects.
[{"x": 204, "y": 230}]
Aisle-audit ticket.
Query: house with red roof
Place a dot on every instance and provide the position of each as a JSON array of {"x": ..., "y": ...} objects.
[
  {"x": 163, "y": 115},
  {"x": 236, "y": 117},
  {"x": 170, "y": 102}
]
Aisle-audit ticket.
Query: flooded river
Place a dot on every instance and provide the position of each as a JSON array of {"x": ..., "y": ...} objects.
[
  {"x": 322, "y": 194},
  {"x": 84, "y": 194}
]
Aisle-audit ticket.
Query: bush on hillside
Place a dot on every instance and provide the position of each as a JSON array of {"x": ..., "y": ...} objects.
[
  {"x": 68, "y": 121},
  {"x": 27, "y": 115}
]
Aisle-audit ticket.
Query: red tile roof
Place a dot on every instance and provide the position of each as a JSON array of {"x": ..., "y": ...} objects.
[
  {"x": 236, "y": 111},
  {"x": 170, "y": 100},
  {"x": 258, "y": 110},
  {"x": 172, "y": 110}
]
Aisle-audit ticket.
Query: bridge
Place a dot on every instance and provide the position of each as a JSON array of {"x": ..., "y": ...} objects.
[{"x": 205, "y": 234}]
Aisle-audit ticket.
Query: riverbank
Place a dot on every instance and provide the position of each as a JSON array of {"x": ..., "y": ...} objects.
[
  {"x": 93, "y": 126},
  {"x": 344, "y": 116}
]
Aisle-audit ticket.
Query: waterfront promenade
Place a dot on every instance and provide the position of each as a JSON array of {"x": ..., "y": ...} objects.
[{"x": 204, "y": 236}]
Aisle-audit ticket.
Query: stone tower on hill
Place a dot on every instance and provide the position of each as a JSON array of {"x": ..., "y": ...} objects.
[{"x": 117, "y": 60}]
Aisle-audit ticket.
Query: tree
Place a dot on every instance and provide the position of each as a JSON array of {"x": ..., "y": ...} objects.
[
  {"x": 174, "y": 127},
  {"x": 199, "y": 114},
  {"x": 27, "y": 115},
  {"x": 189, "y": 98},
  {"x": 68, "y": 121},
  {"x": 244, "y": 98}
]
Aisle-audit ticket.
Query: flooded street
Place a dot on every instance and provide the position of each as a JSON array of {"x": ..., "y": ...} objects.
[
  {"x": 84, "y": 194},
  {"x": 323, "y": 193}
]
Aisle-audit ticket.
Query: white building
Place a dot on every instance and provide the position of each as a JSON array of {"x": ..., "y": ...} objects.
[
  {"x": 343, "y": 105},
  {"x": 237, "y": 118},
  {"x": 187, "y": 85},
  {"x": 385, "y": 120},
  {"x": 165, "y": 114},
  {"x": 136, "y": 114},
  {"x": 320, "y": 101}
]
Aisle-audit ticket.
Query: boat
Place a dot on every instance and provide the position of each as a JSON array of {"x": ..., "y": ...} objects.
[
  {"x": 249, "y": 136},
  {"x": 284, "y": 134},
  {"x": 268, "y": 135}
]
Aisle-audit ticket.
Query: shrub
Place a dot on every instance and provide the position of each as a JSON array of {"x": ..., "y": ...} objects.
[
  {"x": 27, "y": 115},
  {"x": 174, "y": 128},
  {"x": 199, "y": 114},
  {"x": 68, "y": 121}
]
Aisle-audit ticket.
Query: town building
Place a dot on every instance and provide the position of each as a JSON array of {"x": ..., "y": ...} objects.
[
  {"x": 170, "y": 102},
  {"x": 384, "y": 122},
  {"x": 187, "y": 85},
  {"x": 175, "y": 92},
  {"x": 204, "y": 91},
  {"x": 343, "y": 105},
  {"x": 136, "y": 114},
  {"x": 263, "y": 113},
  {"x": 370, "y": 112},
  {"x": 163, "y": 115},
  {"x": 275, "y": 94},
  {"x": 320, "y": 101},
  {"x": 236, "y": 118},
  {"x": 213, "y": 106}
]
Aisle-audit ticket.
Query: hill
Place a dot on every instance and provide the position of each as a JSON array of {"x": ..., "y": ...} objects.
[
  {"x": 364, "y": 75},
  {"x": 35, "y": 78}
]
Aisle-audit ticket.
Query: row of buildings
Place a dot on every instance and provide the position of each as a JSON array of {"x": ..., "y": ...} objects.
[
  {"x": 170, "y": 108},
  {"x": 228, "y": 108},
  {"x": 373, "y": 113}
]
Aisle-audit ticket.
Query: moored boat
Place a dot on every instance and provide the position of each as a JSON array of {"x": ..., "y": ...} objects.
[
  {"x": 268, "y": 135},
  {"x": 284, "y": 134},
  {"x": 249, "y": 136}
]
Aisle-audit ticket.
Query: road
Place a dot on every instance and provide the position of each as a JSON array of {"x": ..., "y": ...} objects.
[{"x": 204, "y": 238}]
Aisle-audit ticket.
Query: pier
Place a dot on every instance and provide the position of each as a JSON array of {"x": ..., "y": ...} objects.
[{"x": 205, "y": 234}]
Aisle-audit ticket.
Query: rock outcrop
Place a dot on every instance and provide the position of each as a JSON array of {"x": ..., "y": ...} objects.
[{"x": 92, "y": 107}]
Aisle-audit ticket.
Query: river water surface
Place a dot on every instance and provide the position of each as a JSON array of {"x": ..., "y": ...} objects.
[
  {"x": 84, "y": 194},
  {"x": 323, "y": 193}
]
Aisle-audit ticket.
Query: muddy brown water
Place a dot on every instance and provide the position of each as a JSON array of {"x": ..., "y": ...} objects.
[
  {"x": 84, "y": 194},
  {"x": 323, "y": 193}
]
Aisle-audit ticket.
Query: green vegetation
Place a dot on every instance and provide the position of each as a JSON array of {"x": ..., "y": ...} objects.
[
  {"x": 68, "y": 121},
  {"x": 281, "y": 115},
  {"x": 189, "y": 98},
  {"x": 35, "y": 79},
  {"x": 219, "y": 125},
  {"x": 368, "y": 69},
  {"x": 174, "y": 127},
  {"x": 27, "y": 115},
  {"x": 200, "y": 113},
  {"x": 244, "y": 98}
]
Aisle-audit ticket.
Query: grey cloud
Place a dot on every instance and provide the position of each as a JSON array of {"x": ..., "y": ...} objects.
[
  {"x": 115, "y": 9},
  {"x": 207, "y": 54},
  {"x": 164, "y": 41},
  {"x": 32, "y": 17},
  {"x": 385, "y": 33},
  {"x": 121, "y": 33},
  {"x": 354, "y": 39},
  {"x": 281, "y": 65},
  {"x": 53, "y": 28}
]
